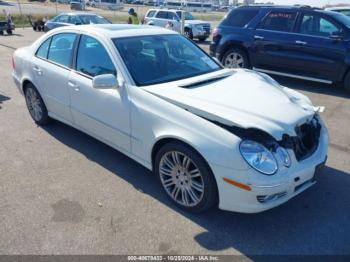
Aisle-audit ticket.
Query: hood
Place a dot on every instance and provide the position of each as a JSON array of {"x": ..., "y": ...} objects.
[
  {"x": 240, "y": 98},
  {"x": 196, "y": 22}
]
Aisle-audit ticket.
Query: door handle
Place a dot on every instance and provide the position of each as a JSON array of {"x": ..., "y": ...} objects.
[
  {"x": 73, "y": 85},
  {"x": 300, "y": 42},
  {"x": 258, "y": 37},
  {"x": 37, "y": 70}
]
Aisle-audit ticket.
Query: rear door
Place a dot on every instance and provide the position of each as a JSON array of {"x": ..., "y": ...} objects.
[
  {"x": 161, "y": 18},
  {"x": 320, "y": 53},
  {"x": 274, "y": 40},
  {"x": 51, "y": 66}
]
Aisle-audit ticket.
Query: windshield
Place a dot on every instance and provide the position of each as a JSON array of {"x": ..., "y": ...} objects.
[
  {"x": 188, "y": 16},
  {"x": 163, "y": 58},
  {"x": 93, "y": 19},
  {"x": 343, "y": 11},
  {"x": 345, "y": 20}
]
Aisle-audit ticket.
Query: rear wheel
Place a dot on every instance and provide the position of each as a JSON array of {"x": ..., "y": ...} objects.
[
  {"x": 9, "y": 31},
  {"x": 347, "y": 83},
  {"x": 36, "y": 106},
  {"x": 235, "y": 58},
  {"x": 186, "y": 177}
]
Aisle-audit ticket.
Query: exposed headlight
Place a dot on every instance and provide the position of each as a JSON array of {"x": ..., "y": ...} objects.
[
  {"x": 283, "y": 156},
  {"x": 258, "y": 157}
]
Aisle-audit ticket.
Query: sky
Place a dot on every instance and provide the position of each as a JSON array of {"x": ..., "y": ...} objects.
[{"x": 317, "y": 3}]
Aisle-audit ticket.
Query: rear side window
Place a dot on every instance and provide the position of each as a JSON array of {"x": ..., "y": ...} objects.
[
  {"x": 62, "y": 19},
  {"x": 279, "y": 21},
  {"x": 240, "y": 17},
  {"x": 43, "y": 49},
  {"x": 93, "y": 59},
  {"x": 162, "y": 14},
  {"x": 151, "y": 13},
  {"x": 61, "y": 48}
]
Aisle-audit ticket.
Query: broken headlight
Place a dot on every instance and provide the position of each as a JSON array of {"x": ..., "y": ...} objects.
[{"x": 258, "y": 157}]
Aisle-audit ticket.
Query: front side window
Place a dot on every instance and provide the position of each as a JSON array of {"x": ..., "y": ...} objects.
[
  {"x": 317, "y": 26},
  {"x": 240, "y": 17},
  {"x": 163, "y": 58},
  {"x": 61, "y": 48},
  {"x": 43, "y": 49},
  {"x": 279, "y": 21},
  {"x": 93, "y": 59}
]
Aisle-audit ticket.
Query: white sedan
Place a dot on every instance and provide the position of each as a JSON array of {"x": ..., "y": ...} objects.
[{"x": 213, "y": 136}]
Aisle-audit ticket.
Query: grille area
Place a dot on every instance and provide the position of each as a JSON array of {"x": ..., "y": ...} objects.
[
  {"x": 206, "y": 27},
  {"x": 306, "y": 141}
]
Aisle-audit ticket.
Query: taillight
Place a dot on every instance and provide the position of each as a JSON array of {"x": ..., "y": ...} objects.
[
  {"x": 13, "y": 63},
  {"x": 215, "y": 32},
  {"x": 216, "y": 35}
]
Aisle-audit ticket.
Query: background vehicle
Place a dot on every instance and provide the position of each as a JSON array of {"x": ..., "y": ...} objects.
[
  {"x": 7, "y": 26},
  {"x": 345, "y": 10},
  {"x": 106, "y": 4},
  {"x": 65, "y": 19},
  {"x": 299, "y": 42},
  {"x": 157, "y": 97},
  {"x": 193, "y": 28},
  {"x": 77, "y": 4}
]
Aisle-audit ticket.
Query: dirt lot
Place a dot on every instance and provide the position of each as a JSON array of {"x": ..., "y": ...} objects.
[{"x": 63, "y": 192}]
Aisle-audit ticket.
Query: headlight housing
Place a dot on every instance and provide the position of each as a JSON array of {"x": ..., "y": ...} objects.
[
  {"x": 258, "y": 157},
  {"x": 283, "y": 156}
]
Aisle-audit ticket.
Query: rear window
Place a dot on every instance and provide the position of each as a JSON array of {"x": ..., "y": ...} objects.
[
  {"x": 279, "y": 21},
  {"x": 151, "y": 13},
  {"x": 240, "y": 17}
]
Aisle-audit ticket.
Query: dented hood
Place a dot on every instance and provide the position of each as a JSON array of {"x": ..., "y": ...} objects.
[{"x": 240, "y": 98}]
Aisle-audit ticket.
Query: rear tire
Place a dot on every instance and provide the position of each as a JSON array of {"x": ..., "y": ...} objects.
[
  {"x": 9, "y": 31},
  {"x": 235, "y": 58},
  {"x": 347, "y": 83},
  {"x": 186, "y": 177},
  {"x": 36, "y": 106}
]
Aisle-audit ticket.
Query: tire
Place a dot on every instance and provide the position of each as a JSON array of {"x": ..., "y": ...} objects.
[
  {"x": 1, "y": 32},
  {"x": 347, "y": 83},
  {"x": 235, "y": 58},
  {"x": 202, "y": 39},
  {"x": 195, "y": 193},
  {"x": 9, "y": 31},
  {"x": 188, "y": 33},
  {"x": 36, "y": 106}
]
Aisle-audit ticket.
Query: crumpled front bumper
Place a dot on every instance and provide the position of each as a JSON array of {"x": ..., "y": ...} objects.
[{"x": 296, "y": 179}]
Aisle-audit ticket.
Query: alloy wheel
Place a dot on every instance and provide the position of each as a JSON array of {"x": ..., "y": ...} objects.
[
  {"x": 234, "y": 60},
  {"x": 181, "y": 178},
  {"x": 34, "y": 104}
]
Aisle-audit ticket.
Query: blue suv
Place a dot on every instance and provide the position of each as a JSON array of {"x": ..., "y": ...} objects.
[{"x": 292, "y": 41}]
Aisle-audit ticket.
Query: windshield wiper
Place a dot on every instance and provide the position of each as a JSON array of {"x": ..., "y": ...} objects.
[{"x": 198, "y": 82}]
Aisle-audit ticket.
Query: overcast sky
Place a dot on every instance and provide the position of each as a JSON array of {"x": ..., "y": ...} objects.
[{"x": 307, "y": 2}]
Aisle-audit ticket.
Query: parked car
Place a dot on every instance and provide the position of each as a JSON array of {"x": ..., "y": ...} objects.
[
  {"x": 211, "y": 135},
  {"x": 66, "y": 19},
  {"x": 345, "y": 10},
  {"x": 7, "y": 26},
  {"x": 299, "y": 42},
  {"x": 77, "y": 4},
  {"x": 193, "y": 28}
]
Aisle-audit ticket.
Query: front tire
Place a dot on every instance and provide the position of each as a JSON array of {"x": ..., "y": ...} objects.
[
  {"x": 202, "y": 39},
  {"x": 36, "y": 106},
  {"x": 186, "y": 177},
  {"x": 347, "y": 83},
  {"x": 188, "y": 33},
  {"x": 9, "y": 31},
  {"x": 235, "y": 58}
]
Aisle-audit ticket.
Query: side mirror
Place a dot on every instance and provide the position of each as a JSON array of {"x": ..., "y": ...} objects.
[
  {"x": 106, "y": 81},
  {"x": 337, "y": 36}
]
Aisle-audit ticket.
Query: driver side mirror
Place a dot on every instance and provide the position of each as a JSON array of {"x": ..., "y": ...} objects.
[
  {"x": 105, "y": 81},
  {"x": 337, "y": 36}
]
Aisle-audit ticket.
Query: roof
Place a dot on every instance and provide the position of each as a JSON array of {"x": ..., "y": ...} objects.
[
  {"x": 119, "y": 30},
  {"x": 338, "y": 8},
  {"x": 78, "y": 13}
]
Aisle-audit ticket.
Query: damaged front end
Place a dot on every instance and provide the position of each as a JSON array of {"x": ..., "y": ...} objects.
[{"x": 304, "y": 144}]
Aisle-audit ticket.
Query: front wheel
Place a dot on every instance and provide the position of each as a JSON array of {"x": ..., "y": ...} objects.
[
  {"x": 235, "y": 58},
  {"x": 347, "y": 83},
  {"x": 9, "y": 31},
  {"x": 202, "y": 39},
  {"x": 36, "y": 106},
  {"x": 186, "y": 177},
  {"x": 188, "y": 33}
]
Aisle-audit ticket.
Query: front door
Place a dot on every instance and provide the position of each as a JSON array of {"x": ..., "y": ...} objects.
[{"x": 102, "y": 113}]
